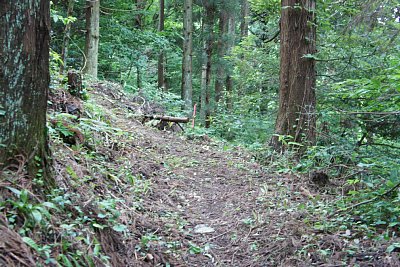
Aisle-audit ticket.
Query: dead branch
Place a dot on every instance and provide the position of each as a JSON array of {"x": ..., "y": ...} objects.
[{"x": 168, "y": 118}]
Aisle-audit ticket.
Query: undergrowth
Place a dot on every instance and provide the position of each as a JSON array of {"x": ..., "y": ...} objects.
[
  {"x": 66, "y": 226},
  {"x": 359, "y": 202},
  {"x": 361, "y": 199}
]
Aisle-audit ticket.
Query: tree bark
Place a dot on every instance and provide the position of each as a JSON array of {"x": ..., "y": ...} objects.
[
  {"x": 92, "y": 37},
  {"x": 139, "y": 82},
  {"x": 161, "y": 58},
  {"x": 244, "y": 23},
  {"x": 225, "y": 44},
  {"x": 297, "y": 101},
  {"x": 67, "y": 32},
  {"x": 205, "y": 111},
  {"x": 231, "y": 44},
  {"x": 24, "y": 83},
  {"x": 221, "y": 51},
  {"x": 187, "y": 89}
]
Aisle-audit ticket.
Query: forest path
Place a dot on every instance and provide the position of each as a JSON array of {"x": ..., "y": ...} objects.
[
  {"x": 202, "y": 185},
  {"x": 197, "y": 186}
]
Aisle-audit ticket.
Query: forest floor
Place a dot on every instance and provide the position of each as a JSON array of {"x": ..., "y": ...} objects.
[
  {"x": 198, "y": 187},
  {"x": 191, "y": 201},
  {"x": 207, "y": 206}
]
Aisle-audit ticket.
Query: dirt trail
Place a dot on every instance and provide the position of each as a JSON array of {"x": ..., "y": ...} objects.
[
  {"x": 206, "y": 186},
  {"x": 197, "y": 184}
]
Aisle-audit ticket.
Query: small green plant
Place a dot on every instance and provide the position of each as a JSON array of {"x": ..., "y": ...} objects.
[
  {"x": 32, "y": 214},
  {"x": 248, "y": 221},
  {"x": 109, "y": 211},
  {"x": 285, "y": 140},
  {"x": 146, "y": 240},
  {"x": 194, "y": 249},
  {"x": 44, "y": 251}
]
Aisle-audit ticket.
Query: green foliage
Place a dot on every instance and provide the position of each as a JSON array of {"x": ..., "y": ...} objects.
[
  {"x": 368, "y": 175},
  {"x": 55, "y": 63},
  {"x": 374, "y": 102},
  {"x": 57, "y": 16},
  {"x": 381, "y": 209},
  {"x": 194, "y": 249},
  {"x": 33, "y": 219},
  {"x": 129, "y": 53},
  {"x": 146, "y": 240},
  {"x": 256, "y": 71},
  {"x": 168, "y": 101},
  {"x": 265, "y": 5},
  {"x": 61, "y": 129},
  {"x": 358, "y": 92},
  {"x": 33, "y": 214},
  {"x": 241, "y": 129}
]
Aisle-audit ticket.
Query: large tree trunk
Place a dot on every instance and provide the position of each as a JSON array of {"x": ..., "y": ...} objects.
[
  {"x": 24, "y": 83},
  {"x": 92, "y": 37},
  {"x": 205, "y": 111},
  {"x": 225, "y": 44},
  {"x": 161, "y": 58},
  {"x": 67, "y": 32},
  {"x": 231, "y": 44},
  {"x": 187, "y": 90},
  {"x": 244, "y": 23},
  {"x": 296, "y": 114},
  {"x": 221, "y": 52}
]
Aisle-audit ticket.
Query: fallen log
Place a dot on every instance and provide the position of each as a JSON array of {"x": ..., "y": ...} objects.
[{"x": 167, "y": 118}]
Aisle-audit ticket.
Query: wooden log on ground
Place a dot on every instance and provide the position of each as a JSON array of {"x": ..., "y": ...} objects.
[{"x": 167, "y": 118}]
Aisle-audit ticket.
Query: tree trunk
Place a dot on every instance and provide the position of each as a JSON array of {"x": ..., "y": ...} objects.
[
  {"x": 225, "y": 44},
  {"x": 206, "y": 64},
  {"x": 244, "y": 23},
  {"x": 231, "y": 44},
  {"x": 296, "y": 114},
  {"x": 24, "y": 83},
  {"x": 67, "y": 32},
  {"x": 221, "y": 51},
  {"x": 138, "y": 73},
  {"x": 161, "y": 58},
  {"x": 204, "y": 85},
  {"x": 187, "y": 90},
  {"x": 140, "y": 7},
  {"x": 92, "y": 37}
]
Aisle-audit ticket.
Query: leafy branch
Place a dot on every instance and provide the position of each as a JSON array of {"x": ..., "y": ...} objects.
[{"x": 367, "y": 201}]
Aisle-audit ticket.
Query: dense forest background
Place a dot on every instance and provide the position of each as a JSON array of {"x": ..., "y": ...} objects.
[{"x": 307, "y": 91}]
